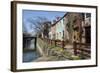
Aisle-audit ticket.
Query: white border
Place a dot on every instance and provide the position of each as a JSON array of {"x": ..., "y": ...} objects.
[{"x": 21, "y": 65}]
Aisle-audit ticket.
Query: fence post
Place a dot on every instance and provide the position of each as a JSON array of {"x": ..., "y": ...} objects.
[
  {"x": 35, "y": 42},
  {"x": 55, "y": 42},
  {"x": 63, "y": 44},
  {"x": 75, "y": 48},
  {"x": 63, "y": 40}
]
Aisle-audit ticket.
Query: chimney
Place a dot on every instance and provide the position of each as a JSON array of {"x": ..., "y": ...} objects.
[{"x": 57, "y": 18}]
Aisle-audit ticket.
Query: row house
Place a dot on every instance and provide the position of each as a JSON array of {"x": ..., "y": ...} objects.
[
  {"x": 52, "y": 32},
  {"x": 65, "y": 27},
  {"x": 68, "y": 21},
  {"x": 87, "y": 28},
  {"x": 77, "y": 27},
  {"x": 72, "y": 27},
  {"x": 82, "y": 34},
  {"x": 82, "y": 28},
  {"x": 58, "y": 29}
]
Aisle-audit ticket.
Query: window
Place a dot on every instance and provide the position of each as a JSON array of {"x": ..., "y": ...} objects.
[
  {"x": 88, "y": 15},
  {"x": 83, "y": 16}
]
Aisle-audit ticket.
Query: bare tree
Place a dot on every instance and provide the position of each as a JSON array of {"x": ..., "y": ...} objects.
[
  {"x": 38, "y": 24},
  {"x": 24, "y": 28}
]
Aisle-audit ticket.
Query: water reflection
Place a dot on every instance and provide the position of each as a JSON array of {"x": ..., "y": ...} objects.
[
  {"x": 29, "y": 48},
  {"x": 30, "y": 56}
]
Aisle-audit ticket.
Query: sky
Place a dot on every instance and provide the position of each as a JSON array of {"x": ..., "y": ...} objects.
[{"x": 33, "y": 14}]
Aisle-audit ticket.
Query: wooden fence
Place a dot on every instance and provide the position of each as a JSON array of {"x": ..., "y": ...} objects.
[
  {"x": 55, "y": 42},
  {"x": 84, "y": 50}
]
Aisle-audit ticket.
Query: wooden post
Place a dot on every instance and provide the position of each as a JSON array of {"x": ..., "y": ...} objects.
[
  {"x": 55, "y": 42},
  {"x": 51, "y": 42},
  {"x": 75, "y": 48},
  {"x": 80, "y": 35},
  {"x": 35, "y": 42},
  {"x": 63, "y": 40}
]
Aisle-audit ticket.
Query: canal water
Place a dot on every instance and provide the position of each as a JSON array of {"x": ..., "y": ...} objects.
[
  {"x": 29, "y": 50},
  {"x": 30, "y": 56}
]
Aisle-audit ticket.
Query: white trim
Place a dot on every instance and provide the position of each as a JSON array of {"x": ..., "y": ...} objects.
[{"x": 21, "y": 65}]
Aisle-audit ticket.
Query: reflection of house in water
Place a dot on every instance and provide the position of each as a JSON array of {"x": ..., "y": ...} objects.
[{"x": 29, "y": 42}]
